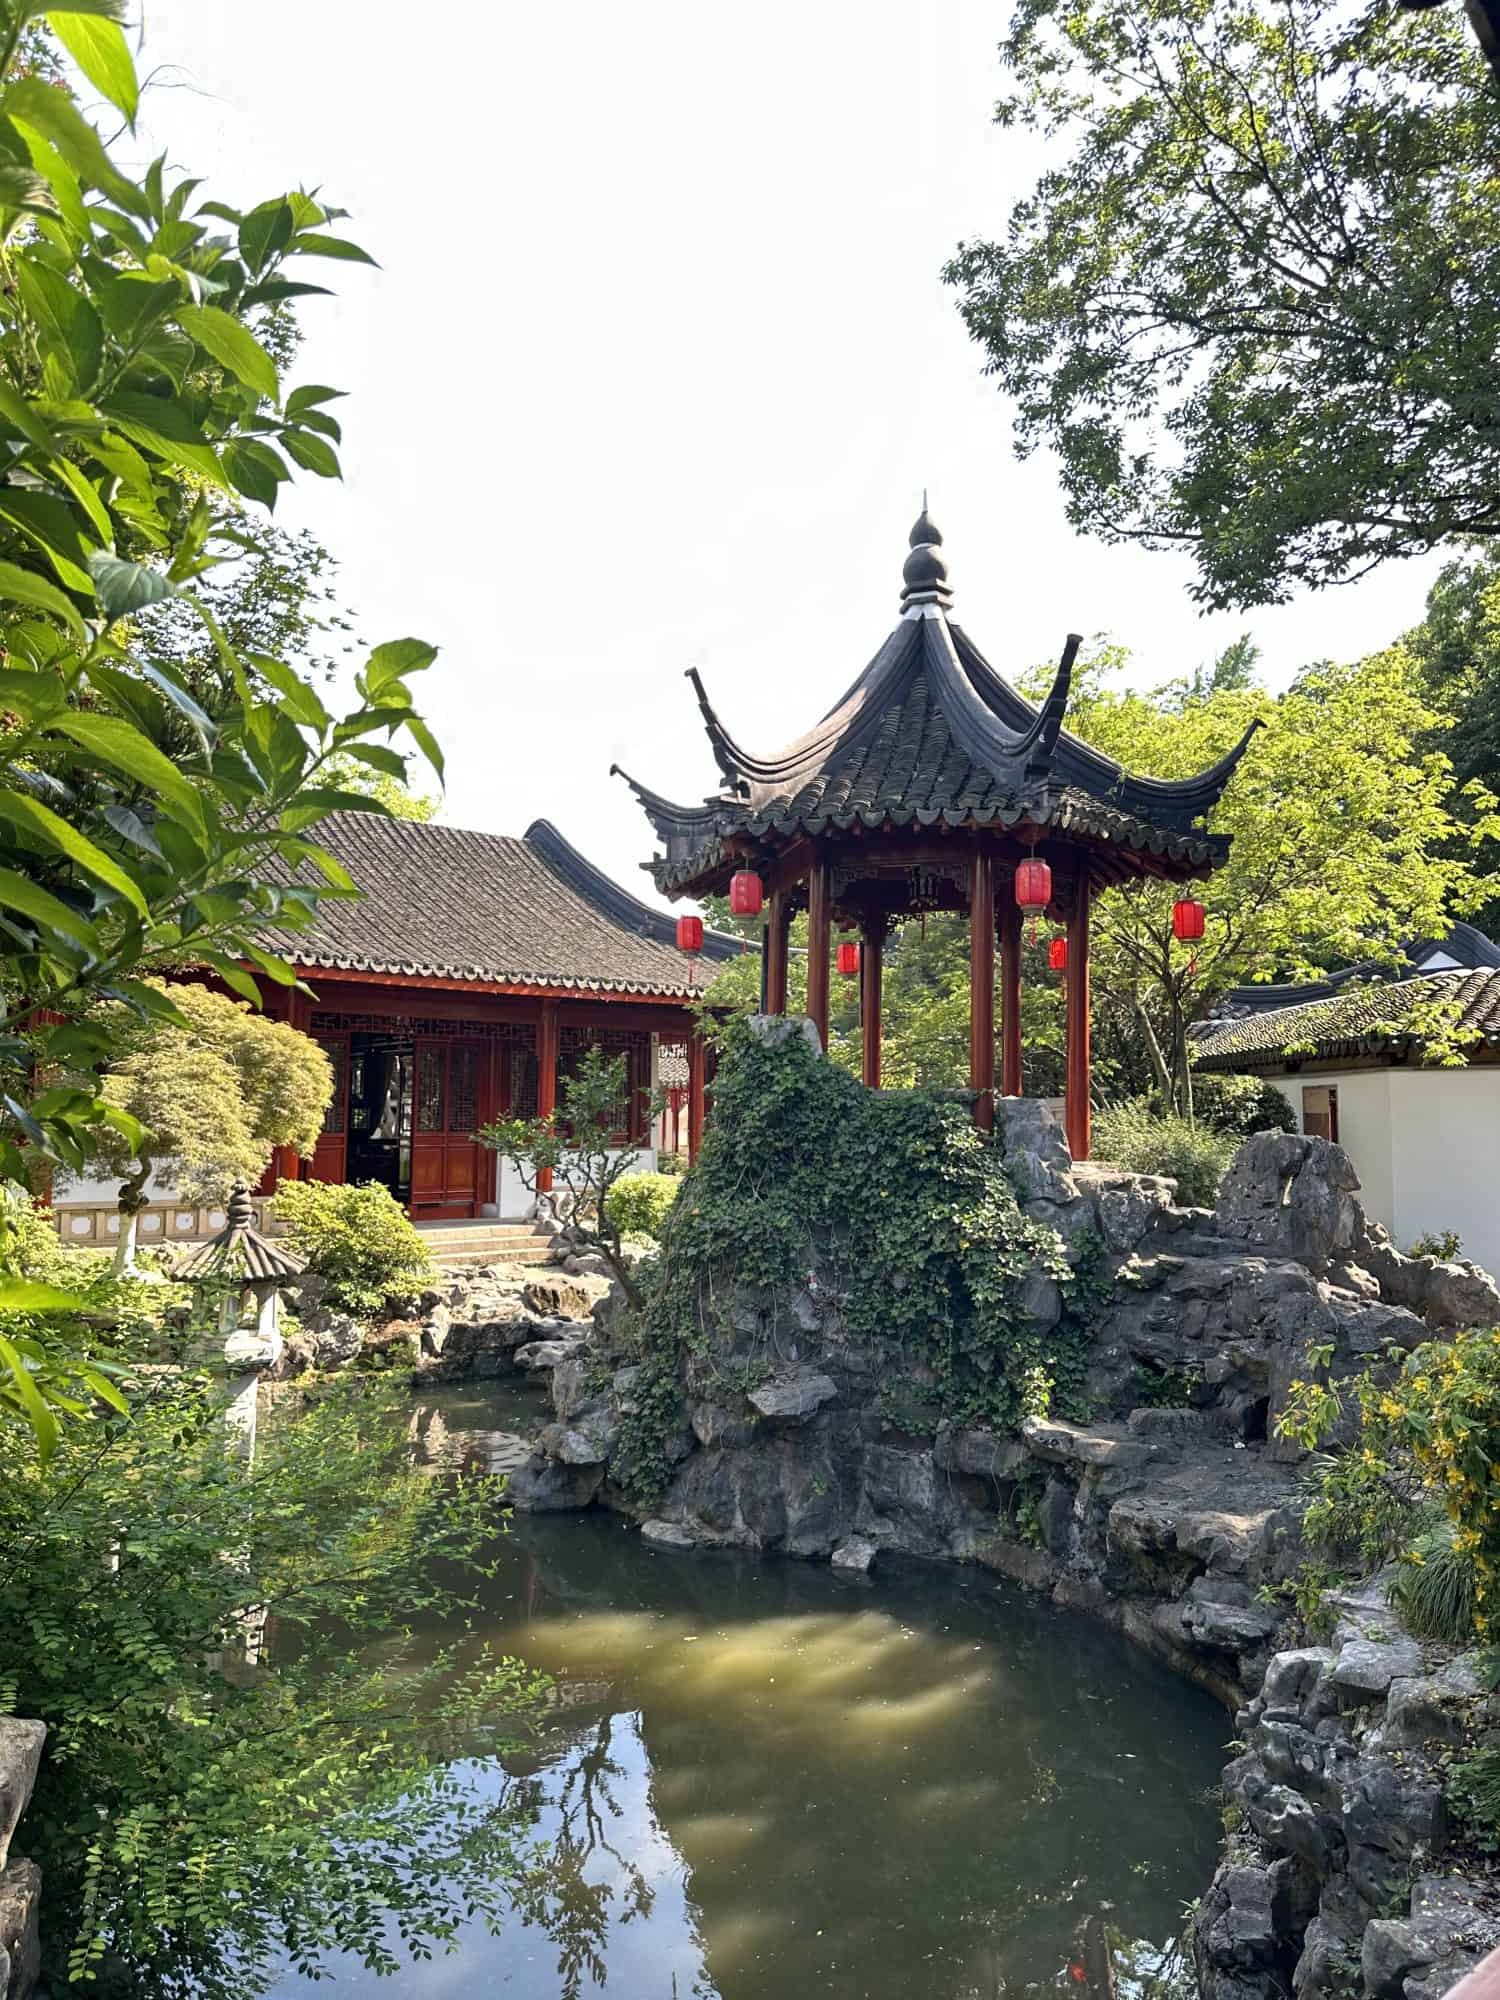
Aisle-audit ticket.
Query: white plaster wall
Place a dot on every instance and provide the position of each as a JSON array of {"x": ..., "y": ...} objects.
[
  {"x": 515, "y": 1198},
  {"x": 1365, "y": 1131},
  {"x": 1446, "y": 1143},
  {"x": 1426, "y": 1146}
]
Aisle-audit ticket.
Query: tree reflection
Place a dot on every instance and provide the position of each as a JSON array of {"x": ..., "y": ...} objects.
[{"x": 568, "y": 1895}]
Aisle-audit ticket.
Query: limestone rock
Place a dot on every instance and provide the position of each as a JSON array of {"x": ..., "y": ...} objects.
[
  {"x": 714, "y": 1424},
  {"x": 1421, "y": 1711},
  {"x": 1293, "y": 1194},
  {"x": 1034, "y": 1149},
  {"x": 21, "y": 1742},
  {"x": 395, "y": 1342},
  {"x": 20, "y": 1938},
  {"x": 336, "y": 1339},
  {"x": 793, "y": 1397},
  {"x": 1292, "y": 1677},
  {"x": 1040, "y": 1299},
  {"x": 546, "y": 1486},
  {"x": 855, "y": 1552},
  {"x": 661, "y": 1534},
  {"x": 775, "y": 1030},
  {"x": 584, "y": 1443},
  {"x": 585, "y": 1264},
  {"x": 560, "y": 1298},
  {"x": 979, "y": 1453},
  {"x": 1128, "y": 1205},
  {"x": 1365, "y": 1668},
  {"x": 540, "y": 1356},
  {"x": 1073, "y": 1444}
]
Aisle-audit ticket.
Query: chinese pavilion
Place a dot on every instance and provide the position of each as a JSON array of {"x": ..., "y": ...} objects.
[{"x": 933, "y": 785}]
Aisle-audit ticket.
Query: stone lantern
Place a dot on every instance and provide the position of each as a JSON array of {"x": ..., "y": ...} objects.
[{"x": 244, "y": 1263}]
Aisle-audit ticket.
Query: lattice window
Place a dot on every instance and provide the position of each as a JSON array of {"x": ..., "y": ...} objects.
[
  {"x": 337, "y": 1054},
  {"x": 430, "y": 1067},
  {"x": 463, "y": 1087},
  {"x": 635, "y": 1046},
  {"x": 523, "y": 1080},
  {"x": 402, "y": 1027}
]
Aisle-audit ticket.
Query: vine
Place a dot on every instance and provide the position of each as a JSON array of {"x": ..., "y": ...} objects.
[{"x": 886, "y": 1213}]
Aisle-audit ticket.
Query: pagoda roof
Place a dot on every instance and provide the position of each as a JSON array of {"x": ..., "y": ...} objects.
[
  {"x": 443, "y": 902},
  {"x": 931, "y": 734}
]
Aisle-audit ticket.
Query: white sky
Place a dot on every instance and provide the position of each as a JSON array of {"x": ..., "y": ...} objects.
[{"x": 657, "y": 365}]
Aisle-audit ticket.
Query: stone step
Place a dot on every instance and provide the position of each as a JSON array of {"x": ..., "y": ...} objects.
[
  {"x": 450, "y": 1231},
  {"x": 470, "y": 1259}
]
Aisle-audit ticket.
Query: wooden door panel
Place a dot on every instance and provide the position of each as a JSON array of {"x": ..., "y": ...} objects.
[
  {"x": 445, "y": 1167},
  {"x": 331, "y": 1153}
]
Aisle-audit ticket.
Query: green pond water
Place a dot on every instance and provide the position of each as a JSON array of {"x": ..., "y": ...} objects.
[{"x": 761, "y": 1779}]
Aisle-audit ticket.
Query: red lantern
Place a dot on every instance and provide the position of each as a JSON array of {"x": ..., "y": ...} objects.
[
  {"x": 848, "y": 960},
  {"x": 1057, "y": 954},
  {"x": 1033, "y": 886},
  {"x": 745, "y": 893},
  {"x": 690, "y": 935},
  {"x": 1187, "y": 919}
]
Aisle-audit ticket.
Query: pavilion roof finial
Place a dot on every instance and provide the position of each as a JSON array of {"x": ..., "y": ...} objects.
[{"x": 924, "y": 576}]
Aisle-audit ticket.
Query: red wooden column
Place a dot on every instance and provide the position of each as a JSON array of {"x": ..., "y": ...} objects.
[
  {"x": 695, "y": 1095},
  {"x": 778, "y": 919},
  {"x": 546, "y": 1077},
  {"x": 872, "y": 952},
  {"x": 818, "y": 916},
  {"x": 1010, "y": 993},
  {"x": 982, "y": 988},
  {"x": 1076, "y": 1109}
]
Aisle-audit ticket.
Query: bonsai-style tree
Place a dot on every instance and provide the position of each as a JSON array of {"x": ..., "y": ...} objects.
[
  {"x": 581, "y": 1148},
  {"x": 215, "y": 1097}
]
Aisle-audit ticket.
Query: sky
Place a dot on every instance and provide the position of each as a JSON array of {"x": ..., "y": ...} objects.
[{"x": 657, "y": 366}]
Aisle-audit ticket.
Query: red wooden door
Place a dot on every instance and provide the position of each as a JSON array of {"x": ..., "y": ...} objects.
[
  {"x": 331, "y": 1153},
  {"x": 445, "y": 1164}
]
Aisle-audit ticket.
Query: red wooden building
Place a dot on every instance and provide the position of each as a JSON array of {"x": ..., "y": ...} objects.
[
  {"x": 464, "y": 984},
  {"x": 933, "y": 785}
]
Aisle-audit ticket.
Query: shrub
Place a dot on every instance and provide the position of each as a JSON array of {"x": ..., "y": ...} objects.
[
  {"x": 1426, "y": 1457},
  {"x": 359, "y": 1239},
  {"x": 1435, "y": 1589},
  {"x": 637, "y": 1204},
  {"x": 195, "y": 1824},
  {"x": 1241, "y": 1105},
  {"x": 1444, "y": 1244},
  {"x": 1194, "y": 1155},
  {"x": 37, "y": 1251}
]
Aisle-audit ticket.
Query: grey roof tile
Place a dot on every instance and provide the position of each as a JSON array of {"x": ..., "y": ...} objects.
[
  {"x": 443, "y": 902},
  {"x": 1359, "y": 1020}
]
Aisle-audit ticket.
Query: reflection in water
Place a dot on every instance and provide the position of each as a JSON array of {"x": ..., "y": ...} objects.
[{"x": 759, "y": 1778}]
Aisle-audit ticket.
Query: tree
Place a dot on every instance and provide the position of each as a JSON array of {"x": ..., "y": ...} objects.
[
  {"x": 583, "y": 1147},
  {"x": 393, "y": 795},
  {"x": 1457, "y": 646},
  {"x": 1253, "y": 301},
  {"x": 1346, "y": 838},
  {"x": 274, "y": 595},
  {"x": 141, "y": 408},
  {"x": 213, "y": 1100}
]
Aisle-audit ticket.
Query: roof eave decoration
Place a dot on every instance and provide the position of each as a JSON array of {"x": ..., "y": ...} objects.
[{"x": 1023, "y": 766}]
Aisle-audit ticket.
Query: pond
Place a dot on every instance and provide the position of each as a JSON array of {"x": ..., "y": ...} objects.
[{"x": 762, "y": 1779}]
